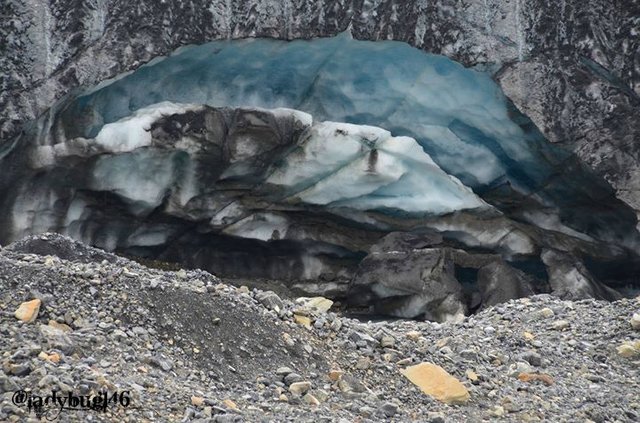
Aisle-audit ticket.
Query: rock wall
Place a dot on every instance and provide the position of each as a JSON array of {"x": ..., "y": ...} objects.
[{"x": 570, "y": 65}]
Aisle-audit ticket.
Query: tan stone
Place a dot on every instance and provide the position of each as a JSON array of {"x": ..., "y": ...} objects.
[
  {"x": 528, "y": 336},
  {"x": 61, "y": 326},
  {"x": 299, "y": 388},
  {"x": 319, "y": 304},
  {"x": 413, "y": 335},
  {"x": 363, "y": 363},
  {"x": 53, "y": 358},
  {"x": 320, "y": 394},
  {"x": 283, "y": 398},
  {"x": 560, "y": 325},
  {"x": 471, "y": 375},
  {"x": 533, "y": 377},
  {"x": 302, "y": 320},
  {"x": 629, "y": 349},
  {"x": 635, "y": 321},
  {"x": 28, "y": 311},
  {"x": 197, "y": 401},
  {"x": 311, "y": 400},
  {"x": 498, "y": 411},
  {"x": 230, "y": 404},
  {"x": 335, "y": 375},
  {"x": 442, "y": 342},
  {"x": 546, "y": 312},
  {"x": 434, "y": 381}
]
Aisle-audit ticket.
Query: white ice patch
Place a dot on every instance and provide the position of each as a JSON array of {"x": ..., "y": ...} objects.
[
  {"x": 227, "y": 215},
  {"x": 148, "y": 237},
  {"x": 364, "y": 167},
  {"x": 327, "y": 147},
  {"x": 262, "y": 226},
  {"x": 140, "y": 179},
  {"x": 132, "y": 132}
]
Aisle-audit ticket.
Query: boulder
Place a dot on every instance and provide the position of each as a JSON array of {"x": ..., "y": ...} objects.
[
  {"x": 498, "y": 282},
  {"x": 434, "y": 381},
  {"x": 571, "y": 280},
  {"x": 413, "y": 284}
]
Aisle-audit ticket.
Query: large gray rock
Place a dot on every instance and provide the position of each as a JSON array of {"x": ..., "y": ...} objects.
[
  {"x": 498, "y": 283},
  {"x": 414, "y": 284},
  {"x": 570, "y": 279}
]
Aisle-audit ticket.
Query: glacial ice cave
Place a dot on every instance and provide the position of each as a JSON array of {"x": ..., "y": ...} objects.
[{"x": 295, "y": 160}]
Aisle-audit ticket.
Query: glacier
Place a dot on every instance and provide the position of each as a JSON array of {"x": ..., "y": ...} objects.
[
  {"x": 458, "y": 116},
  {"x": 292, "y": 160}
]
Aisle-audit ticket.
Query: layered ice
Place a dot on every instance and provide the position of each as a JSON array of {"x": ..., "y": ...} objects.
[
  {"x": 334, "y": 164},
  {"x": 365, "y": 168},
  {"x": 458, "y": 116}
]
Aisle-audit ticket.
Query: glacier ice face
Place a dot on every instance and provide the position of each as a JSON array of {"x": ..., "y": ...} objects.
[{"x": 458, "y": 116}]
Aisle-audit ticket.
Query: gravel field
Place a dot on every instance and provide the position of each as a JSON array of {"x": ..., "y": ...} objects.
[{"x": 185, "y": 346}]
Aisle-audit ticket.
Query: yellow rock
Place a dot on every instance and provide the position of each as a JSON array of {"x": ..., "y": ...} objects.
[
  {"x": 528, "y": 336},
  {"x": 53, "y": 358},
  {"x": 433, "y": 380},
  {"x": 320, "y": 304},
  {"x": 60, "y": 326},
  {"x": 302, "y": 320},
  {"x": 197, "y": 401},
  {"x": 413, "y": 335},
  {"x": 471, "y": 375},
  {"x": 629, "y": 349},
  {"x": 28, "y": 311},
  {"x": 230, "y": 404}
]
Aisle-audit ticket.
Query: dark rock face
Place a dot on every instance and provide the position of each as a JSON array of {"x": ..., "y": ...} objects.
[
  {"x": 498, "y": 283},
  {"x": 418, "y": 283},
  {"x": 573, "y": 67},
  {"x": 570, "y": 279}
]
